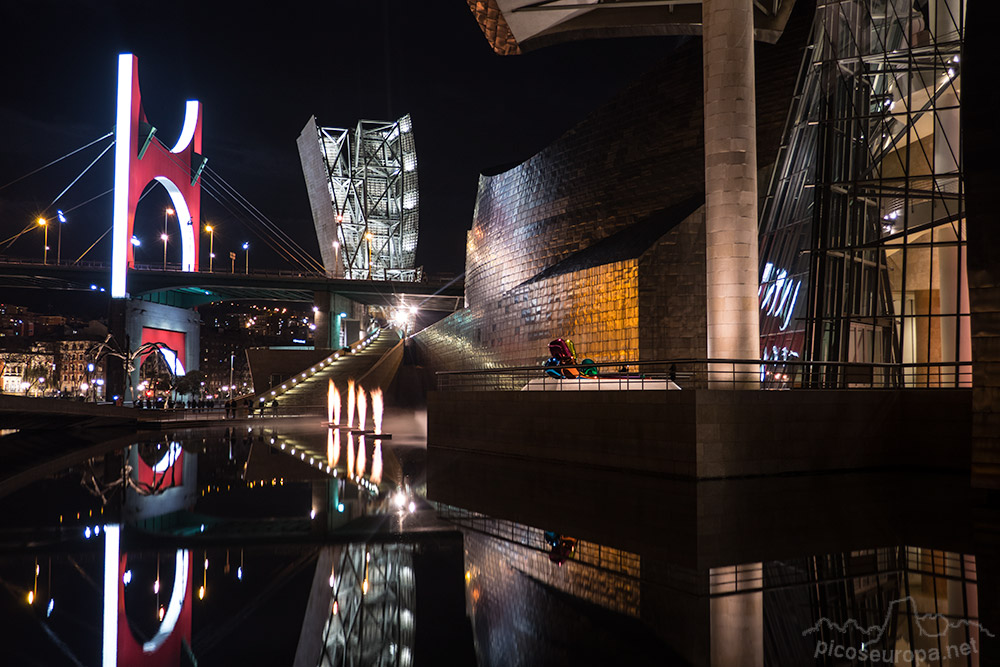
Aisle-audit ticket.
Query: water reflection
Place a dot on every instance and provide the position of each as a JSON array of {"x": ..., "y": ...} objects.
[{"x": 185, "y": 543}]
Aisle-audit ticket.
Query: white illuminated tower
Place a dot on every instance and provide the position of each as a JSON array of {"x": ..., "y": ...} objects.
[{"x": 362, "y": 185}]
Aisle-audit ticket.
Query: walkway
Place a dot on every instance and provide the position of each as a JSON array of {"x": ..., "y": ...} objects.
[{"x": 374, "y": 366}]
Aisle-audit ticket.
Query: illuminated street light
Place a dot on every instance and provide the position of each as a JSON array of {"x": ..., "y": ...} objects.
[
  {"x": 211, "y": 245},
  {"x": 246, "y": 247},
  {"x": 62, "y": 221},
  {"x": 45, "y": 252},
  {"x": 136, "y": 242},
  {"x": 167, "y": 212},
  {"x": 369, "y": 237}
]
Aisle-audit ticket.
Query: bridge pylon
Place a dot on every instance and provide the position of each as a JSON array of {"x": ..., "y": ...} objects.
[{"x": 140, "y": 157}]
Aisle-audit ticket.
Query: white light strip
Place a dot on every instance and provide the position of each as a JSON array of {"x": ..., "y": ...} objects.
[
  {"x": 110, "y": 647},
  {"x": 190, "y": 123},
  {"x": 173, "y": 363},
  {"x": 123, "y": 144},
  {"x": 184, "y": 221},
  {"x": 175, "y": 605}
]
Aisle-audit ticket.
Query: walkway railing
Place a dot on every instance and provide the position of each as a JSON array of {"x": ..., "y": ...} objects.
[{"x": 710, "y": 374}]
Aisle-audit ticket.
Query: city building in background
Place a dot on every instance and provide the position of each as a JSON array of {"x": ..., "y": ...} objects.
[
  {"x": 362, "y": 185},
  {"x": 50, "y": 355},
  {"x": 229, "y": 329}
]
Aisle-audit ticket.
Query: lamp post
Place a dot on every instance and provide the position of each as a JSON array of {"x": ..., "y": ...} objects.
[
  {"x": 164, "y": 237},
  {"x": 368, "y": 237},
  {"x": 166, "y": 213},
  {"x": 246, "y": 248},
  {"x": 62, "y": 221},
  {"x": 45, "y": 249},
  {"x": 211, "y": 245}
]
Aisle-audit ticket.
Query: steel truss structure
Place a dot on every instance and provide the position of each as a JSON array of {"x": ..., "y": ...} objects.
[
  {"x": 371, "y": 620},
  {"x": 863, "y": 230},
  {"x": 371, "y": 178}
]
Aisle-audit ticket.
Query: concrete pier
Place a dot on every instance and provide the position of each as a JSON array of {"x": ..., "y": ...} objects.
[{"x": 730, "y": 179}]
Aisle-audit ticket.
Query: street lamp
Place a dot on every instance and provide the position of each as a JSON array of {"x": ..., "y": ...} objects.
[
  {"x": 368, "y": 237},
  {"x": 164, "y": 237},
  {"x": 45, "y": 252},
  {"x": 166, "y": 212},
  {"x": 211, "y": 245},
  {"x": 246, "y": 247},
  {"x": 62, "y": 221}
]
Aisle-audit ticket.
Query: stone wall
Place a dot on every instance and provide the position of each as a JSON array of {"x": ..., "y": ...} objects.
[
  {"x": 981, "y": 144},
  {"x": 710, "y": 434}
]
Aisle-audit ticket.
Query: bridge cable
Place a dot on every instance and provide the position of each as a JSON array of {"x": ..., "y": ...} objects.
[
  {"x": 108, "y": 230},
  {"x": 80, "y": 176},
  {"x": 264, "y": 218},
  {"x": 291, "y": 246},
  {"x": 31, "y": 173},
  {"x": 294, "y": 255},
  {"x": 290, "y": 250}
]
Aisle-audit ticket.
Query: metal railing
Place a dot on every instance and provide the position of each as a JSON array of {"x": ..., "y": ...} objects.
[
  {"x": 710, "y": 374},
  {"x": 172, "y": 267}
]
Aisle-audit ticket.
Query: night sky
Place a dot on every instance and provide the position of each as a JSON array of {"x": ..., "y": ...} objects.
[{"x": 260, "y": 74}]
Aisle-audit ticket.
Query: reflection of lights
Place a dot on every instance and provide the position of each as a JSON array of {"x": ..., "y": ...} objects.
[
  {"x": 336, "y": 607},
  {"x": 48, "y": 610},
  {"x": 312, "y": 513},
  {"x": 340, "y": 507},
  {"x": 201, "y": 592},
  {"x": 239, "y": 573},
  {"x": 156, "y": 585},
  {"x": 86, "y": 533},
  {"x": 399, "y": 499},
  {"x": 161, "y": 613},
  {"x": 31, "y": 597},
  {"x": 413, "y": 507},
  {"x": 127, "y": 577},
  {"x": 364, "y": 587},
  {"x": 110, "y": 619},
  {"x": 169, "y": 458},
  {"x": 468, "y": 576}
]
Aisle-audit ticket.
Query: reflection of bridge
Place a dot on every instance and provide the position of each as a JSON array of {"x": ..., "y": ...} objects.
[{"x": 174, "y": 287}]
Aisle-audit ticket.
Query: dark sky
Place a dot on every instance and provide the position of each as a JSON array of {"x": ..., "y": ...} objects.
[{"x": 260, "y": 74}]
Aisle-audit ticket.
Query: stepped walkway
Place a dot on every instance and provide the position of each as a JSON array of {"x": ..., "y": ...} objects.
[{"x": 374, "y": 365}]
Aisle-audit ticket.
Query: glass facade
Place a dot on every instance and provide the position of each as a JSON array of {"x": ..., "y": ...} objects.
[{"x": 863, "y": 230}]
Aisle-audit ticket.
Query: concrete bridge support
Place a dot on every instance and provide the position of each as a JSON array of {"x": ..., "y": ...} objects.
[{"x": 134, "y": 322}]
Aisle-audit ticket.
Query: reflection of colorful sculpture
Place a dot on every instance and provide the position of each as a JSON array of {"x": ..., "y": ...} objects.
[
  {"x": 562, "y": 547},
  {"x": 563, "y": 358}
]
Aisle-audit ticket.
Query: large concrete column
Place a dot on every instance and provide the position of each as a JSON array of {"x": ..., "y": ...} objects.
[{"x": 731, "y": 182}]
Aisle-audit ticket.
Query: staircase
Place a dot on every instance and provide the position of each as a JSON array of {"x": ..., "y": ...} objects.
[{"x": 374, "y": 365}]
